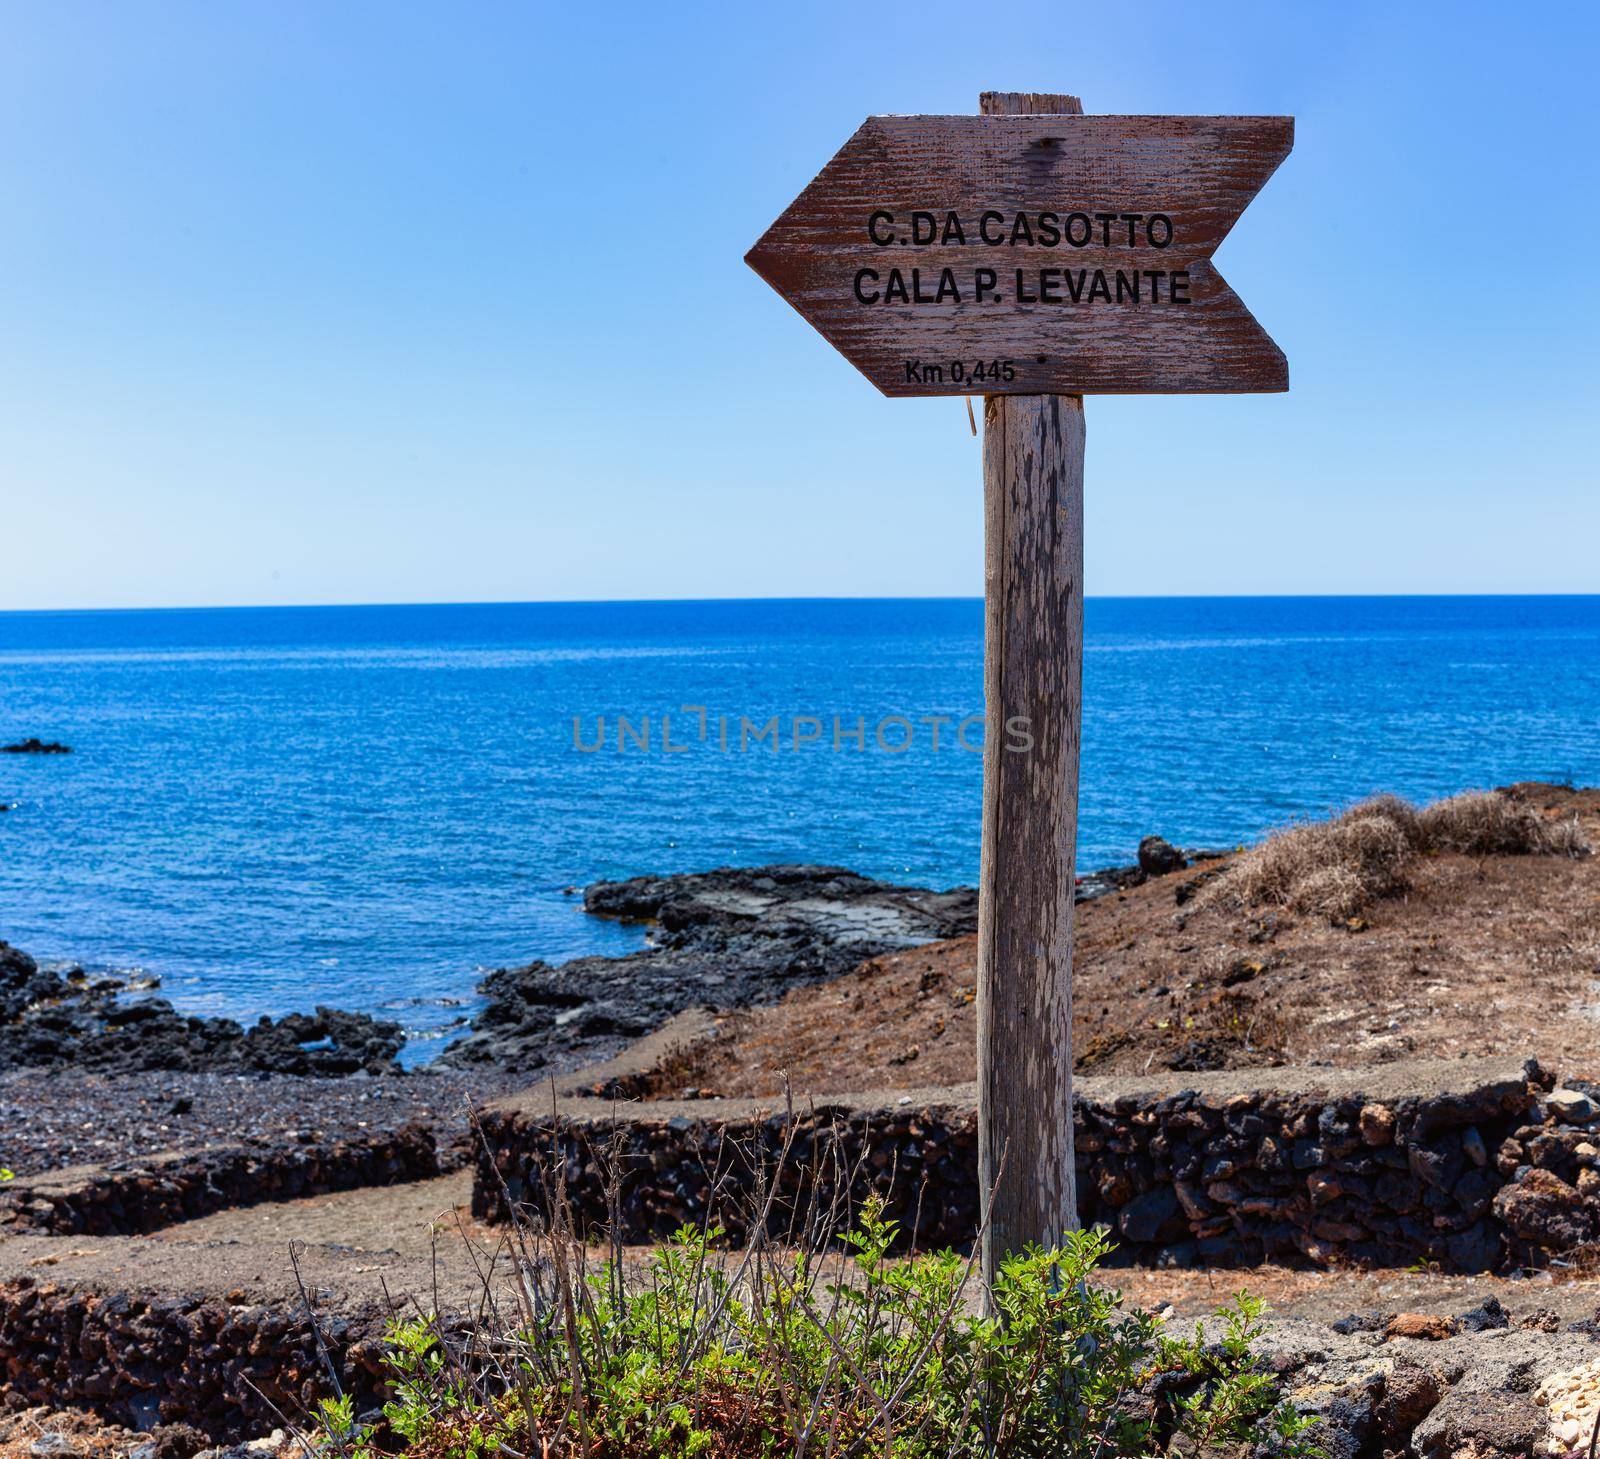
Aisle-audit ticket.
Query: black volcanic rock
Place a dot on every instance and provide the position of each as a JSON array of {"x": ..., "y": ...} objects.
[
  {"x": 49, "y": 1021},
  {"x": 1158, "y": 857},
  {"x": 826, "y": 901},
  {"x": 723, "y": 938},
  {"x": 22, "y": 984}
]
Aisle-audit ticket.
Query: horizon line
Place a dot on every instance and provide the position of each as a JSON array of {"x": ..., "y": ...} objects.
[
  {"x": 819, "y": 598},
  {"x": 1264, "y": 597}
]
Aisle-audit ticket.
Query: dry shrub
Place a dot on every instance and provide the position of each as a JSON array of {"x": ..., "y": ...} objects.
[
  {"x": 1391, "y": 808},
  {"x": 1325, "y": 868},
  {"x": 1490, "y": 823},
  {"x": 1337, "y": 868}
]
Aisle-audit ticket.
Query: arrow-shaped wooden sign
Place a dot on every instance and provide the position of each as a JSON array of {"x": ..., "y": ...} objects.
[
  {"x": 1031, "y": 255},
  {"x": 1028, "y": 255}
]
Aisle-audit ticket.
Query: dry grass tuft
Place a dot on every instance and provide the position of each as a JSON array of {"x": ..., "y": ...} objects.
[
  {"x": 1337, "y": 868},
  {"x": 1325, "y": 868},
  {"x": 1488, "y": 823},
  {"x": 1391, "y": 808}
]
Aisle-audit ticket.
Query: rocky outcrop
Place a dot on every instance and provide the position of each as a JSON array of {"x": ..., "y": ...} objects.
[
  {"x": 50, "y": 1020},
  {"x": 23, "y": 984},
  {"x": 1457, "y": 1392},
  {"x": 33, "y": 745},
  {"x": 1160, "y": 858},
  {"x": 1385, "y": 1166},
  {"x": 817, "y": 902},
  {"x": 727, "y": 938}
]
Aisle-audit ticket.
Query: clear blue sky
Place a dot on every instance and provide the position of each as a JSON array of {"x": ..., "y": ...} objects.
[{"x": 304, "y": 302}]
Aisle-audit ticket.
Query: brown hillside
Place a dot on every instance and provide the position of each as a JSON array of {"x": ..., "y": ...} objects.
[{"x": 1451, "y": 954}]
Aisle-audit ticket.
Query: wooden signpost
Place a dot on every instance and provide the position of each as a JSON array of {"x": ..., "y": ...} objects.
[{"x": 1032, "y": 255}]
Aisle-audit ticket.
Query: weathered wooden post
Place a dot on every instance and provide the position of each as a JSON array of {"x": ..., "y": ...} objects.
[
  {"x": 1033, "y": 255},
  {"x": 1032, "y": 676}
]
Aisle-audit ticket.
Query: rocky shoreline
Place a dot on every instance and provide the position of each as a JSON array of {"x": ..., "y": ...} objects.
[
  {"x": 726, "y": 938},
  {"x": 51, "y": 1020},
  {"x": 729, "y": 937}
]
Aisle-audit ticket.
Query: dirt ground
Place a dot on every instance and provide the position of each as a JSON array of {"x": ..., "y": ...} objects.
[
  {"x": 1494, "y": 955},
  {"x": 410, "y": 1241},
  {"x": 352, "y": 1239}
]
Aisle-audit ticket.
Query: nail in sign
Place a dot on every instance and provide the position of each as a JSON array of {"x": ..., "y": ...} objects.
[{"x": 1032, "y": 255}]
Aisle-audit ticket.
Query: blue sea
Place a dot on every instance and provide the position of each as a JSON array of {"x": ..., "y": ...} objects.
[{"x": 370, "y": 806}]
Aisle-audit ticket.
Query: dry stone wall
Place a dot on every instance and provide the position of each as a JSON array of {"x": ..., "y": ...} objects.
[
  {"x": 145, "y": 1195},
  {"x": 231, "y": 1370},
  {"x": 1474, "y": 1165}
]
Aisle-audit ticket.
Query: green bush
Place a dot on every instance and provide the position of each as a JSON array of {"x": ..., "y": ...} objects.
[{"x": 824, "y": 1352}]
